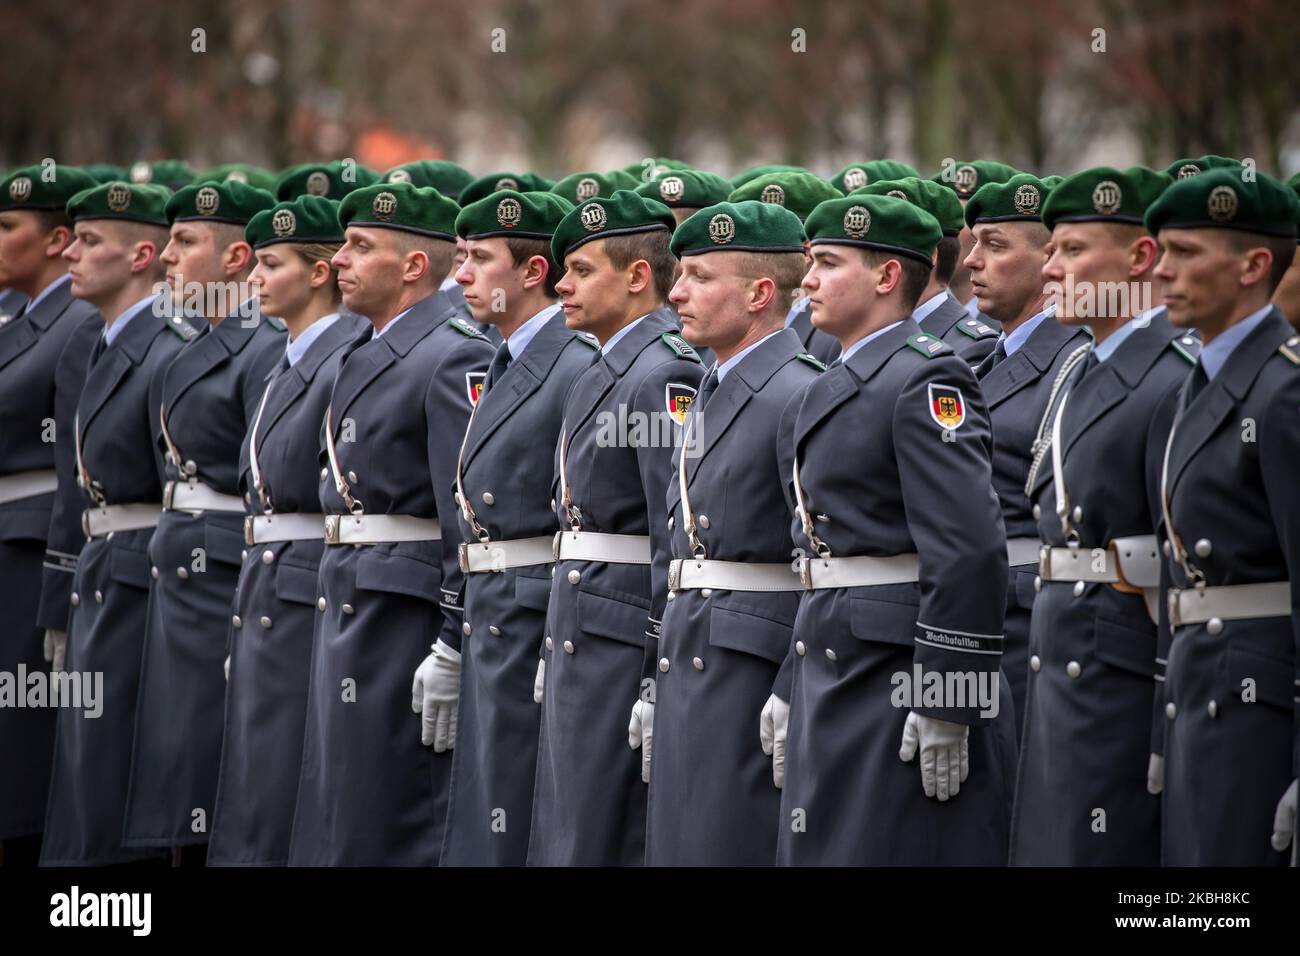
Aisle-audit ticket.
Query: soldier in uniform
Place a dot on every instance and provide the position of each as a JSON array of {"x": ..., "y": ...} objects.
[
  {"x": 1232, "y": 517},
  {"x": 202, "y": 404},
  {"x": 733, "y": 592},
  {"x": 504, "y": 483},
  {"x": 276, "y": 600},
  {"x": 686, "y": 191},
  {"x": 114, "y": 264},
  {"x": 939, "y": 313},
  {"x": 1287, "y": 295},
  {"x": 618, "y": 434},
  {"x": 370, "y": 792},
  {"x": 1017, "y": 379},
  {"x": 11, "y": 303},
  {"x": 1081, "y": 795},
  {"x": 800, "y": 192},
  {"x": 44, "y": 348},
  {"x": 964, "y": 179},
  {"x": 903, "y": 583}
]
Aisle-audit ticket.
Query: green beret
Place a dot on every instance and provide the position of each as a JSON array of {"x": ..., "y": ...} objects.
[
  {"x": 579, "y": 187},
  {"x": 495, "y": 182},
  {"x": 331, "y": 180},
  {"x": 621, "y": 214},
  {"x": 965, "y": 178},
  {"x": 799, "y": 192},
  {"x": 424, "y": 211},
  {"x": 1187, "y": 168},
  {"x": 1051, "y": 182},
  {"x": 753, "y": 172},
  {"x": 1219, "y": 199},
  {"x": 652, "y": 168},
  {"x": 305, "y": 219},
  {"x": 856, "y": 175},
  {"x": 738, "y": 227},
  {"x": 876, "y": 222},
  {"x": 688, "y": 189},
  {"x": 1104, "y": 194},
  {"x": 136, "y": 202},
  {"x": 512, "y": 213},
  {"x": 228, "y": 201},
  {"x": 172, "y": 173},
  {"x": 1294, "y": 183},
  {"x": 443, "y": 175},
  {"x": 106, "y": 172},
  {"x": 1019, "y": 199},
  {"x": 937, "y": 200},
  {"x": 43, "y": 187},
  {"x": 263, "y": 179}
]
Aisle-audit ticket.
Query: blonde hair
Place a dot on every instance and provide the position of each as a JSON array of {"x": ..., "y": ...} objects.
[{"x": 314, "y": 252}]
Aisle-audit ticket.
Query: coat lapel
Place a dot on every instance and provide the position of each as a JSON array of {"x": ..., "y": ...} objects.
[
  {"x": 22, "y": 333},
  {"x": 1027, "y": 365},
  {"x": 127, "y": 351},
  {"x": 842, "y": 381}
]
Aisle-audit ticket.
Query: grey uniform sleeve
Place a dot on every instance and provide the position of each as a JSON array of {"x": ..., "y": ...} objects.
[{"x": 784, "y": 681}]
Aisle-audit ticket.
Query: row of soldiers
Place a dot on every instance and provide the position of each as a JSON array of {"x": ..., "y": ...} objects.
[{"x": 506, "y": 521}]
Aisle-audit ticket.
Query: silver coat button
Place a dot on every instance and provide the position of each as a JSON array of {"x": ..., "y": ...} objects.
[
  {"x": 324, "y": 473},
  {"x": 182, "y": 573},
  {"x": 663, "y": 664},
  {"x": 568, "y": 647},
  {"x": 1213, "y": 708},
  {"x": 1170, "y": 710},
  {"x": 670, "y": 522},
  {"x": 1203, "y": 548},
  {"x": 191, "y": 468},
  {"x": 348, "y": 609},
  {"x": 671, "y": 594},
  {"x": 1038, "y": 582},
  {"x": 697, "y": 663},
  {"x": 99, "y": 597},
  {"x": 1168, "y": 549},
  {"x": 76, "y": 599},
  {"x": 1078, "y": 588},
  {"x": 552, "y": 504},
  {"x": 154, "y": 572},
  {"x": 705, "y": 592},
  {"x": 352, "y": 477},
  {"x": 1038, "y": 512},
  {"x": 265, "y": 621},
  {"x": 799, "y": 648},
  {"x": 465, "y": 628},
  {"x": 489, "y": 498},
  {"x": 574, "y": 577},
  {"x": 1077, "y": 514},
  {"x": 1214, "y": 625},
  {"x": 1035, "y": 663},
  {"x": 320, "y": 604},
  {"x": 237, "y": 621},
  {"x": 243, "y": 554},
  {"x": 1073, "y": 669},
  {"x": 831, "y": 655},
  {"x": 494, "y": 630},
  {"x": 549, "y": 643},
  {"x": 268, "y": 556},
  {"x": 704, "y": 521}
]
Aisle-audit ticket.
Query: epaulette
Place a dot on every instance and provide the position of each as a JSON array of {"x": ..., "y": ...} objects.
[
  {"x": 464, "y": 328},
  {"x": 183, "y": 329},
  {"x": 680, "y": 346},
  {"x": 1188, "y": 346},
  {"x": 929, "y": 345},
  {"x": 813, "y": 361},
  {"x": 976, "y": 329},
  {"x": 276, "y": 323},
  {"x": 1288, "y": 349},
  {"x": 586, "y": 338}
]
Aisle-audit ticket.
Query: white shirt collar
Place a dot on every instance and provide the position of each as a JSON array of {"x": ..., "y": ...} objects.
[
  {"x": 297, "y": 348},
  {"x": 1104, "y": 350},
  {"x": 48, "y": 290},
  {"x": 614, "y": 339},
  {"x": 113, "y": 331},
  {"x": 375, "y": 333},
  {"x": 926, "y": 308},
  {"x": 521, "y": 336},
  {"x": 795, "y": 309},
  {"x": 849, "y": 352},
  {"x": 735, "y": 360},
  {"x": 448, "y": 283}
]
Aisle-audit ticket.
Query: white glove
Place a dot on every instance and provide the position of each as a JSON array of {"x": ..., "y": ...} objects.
[
  {"x": 945, "y": 753},
  {"x": 641, "y": 733},
  {"x": 434, "y": 695},
  {"x": 226, "y": 665},
  {"x": 539, "y": 682},
  {"x": 1155, "y": 775},
  {"x": 56, "y": 649},
  {"x": 1284, "y": 819},
  {"x": 773, "y": 724}
]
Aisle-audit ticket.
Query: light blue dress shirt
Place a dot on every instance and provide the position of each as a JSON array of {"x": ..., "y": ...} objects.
[
  {"x": 604, "y": 349},
  {"x": 1217, "y": 351},
  {"x": 114, "y": 330},
  {"x": 521, "y": 336},
  {"x": 298, "y": 347},
  {"x": 849, "y": 352}
]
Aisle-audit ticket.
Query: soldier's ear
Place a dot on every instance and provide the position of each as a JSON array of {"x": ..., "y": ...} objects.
[
  {"x": 640, "y": 277},
  {"x": 535, "y": 271},
  {"x": 1143, "y": 254}
]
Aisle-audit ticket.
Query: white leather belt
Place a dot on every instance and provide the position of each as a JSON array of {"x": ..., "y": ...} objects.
[
  {"x": 197, "y": 497},
  {"x": 598, "y": 546},
  {"x": 479, "y": 557},
  {"x": 1022, "y": 551},
  {"x": 379, "y": 529},
  {"x": 97, "y": 522},
  {"x": 1131, "y": 561},
  {"x": 1233, "y": 602},
  {"x": 264, "y": 529},
  {"x": 857, "y": 572},
  {"x": 27, "y": 484},
  {"x": 691, "y": 573}
]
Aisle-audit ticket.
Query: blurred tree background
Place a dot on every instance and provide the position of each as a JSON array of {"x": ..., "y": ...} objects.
[{"x": 592, "y": 84}]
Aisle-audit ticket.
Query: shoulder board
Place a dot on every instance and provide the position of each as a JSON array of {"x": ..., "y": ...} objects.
[
  {"x": 1291, "y": 349},
  {"x": 1188, "y": 346},
  {"x": 976, "y": 329},
  {"x": 464, "y": 328},
  {"x": 929, "y": 345},
  {"x": 183, "y": 329},
  {"x": 813, "y": 361},
  {"x": 586, "y": 338},
  {"x": 680, "y": 346},
  {"x": 276, "y": 323}
]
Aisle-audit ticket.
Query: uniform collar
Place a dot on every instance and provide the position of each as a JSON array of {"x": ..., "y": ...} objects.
[
  {"x": 521, "y": 336},
  {"x": 1104, "y": 350},
  {"x": 45, "y": 293},
  {"x": 295, "y": 349},
  {"x": 120, "y": 323},
  {"x": 376, "y": 333},
  {"x": 799, "y": 305},
  {"x": 1215, "y": 354},
  {"x": 849, "y": 352},
  {"x": 926, "y": 308},
  {"x": 619, "y": 335},
  {"x": 735, "y": 360},
  {"x": 1011, "y": 341}
]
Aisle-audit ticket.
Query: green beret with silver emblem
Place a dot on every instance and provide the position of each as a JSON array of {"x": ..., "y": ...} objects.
[
  {"x": 886, "y": 223},
  {"x": 1294, "y": 183},
  {"x": 424, "y": 211},
  {"x": 937, "y": 200},
  {"x": 622, "y": 214},
  {"x": 652, "y": 167},
  {"x": 263, "y": 179},
  {"x": 1187, "y": 168},
  {"x": 966, "y": 178},
  {"x": 747, "y": 226},
  {"x": 799, "y": 192},
  {"x": 687, "y": 189},
  {"x": 752, "y": 172},
  {"x": 495, "y": 182},
  {"x": 856, "y": 175},
  {"x": 305, "y": 219},
  {"x": 43, "y": 187},
  {"x": 510, "y": 213},
  {"x": 1221, "y": 199},
  {"x": 443, "y": 175},
  {"x": 172, "y": 173},
  {"x": 106, "y": 172},
  {"x": 230, "y": 201},
  {"x": 1104, "y": 194},
  {"x": 134, "y": 202},
  {"x": 1019, "y": 199},
  {"x": 579, "y": 187},
  {"x": 331, "y": 180}
]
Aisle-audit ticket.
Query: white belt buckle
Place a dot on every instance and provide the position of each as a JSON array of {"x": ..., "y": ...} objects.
[
  {"x": 675, "y": 574},
  {"x": 332, "y": 528},
  {"x": 804, "y": 567}
]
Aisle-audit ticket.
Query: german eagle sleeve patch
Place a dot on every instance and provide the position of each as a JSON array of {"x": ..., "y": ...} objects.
[
  {"x": 947, "y": 406},
  {"x": 678, "y": 398}
]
